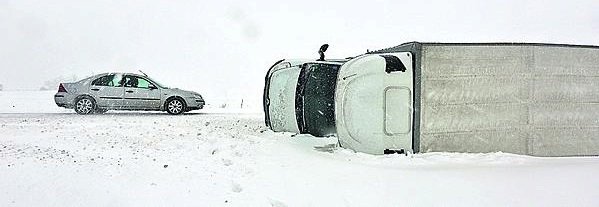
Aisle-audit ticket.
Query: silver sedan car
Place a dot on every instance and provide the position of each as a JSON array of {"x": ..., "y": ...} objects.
[{"x": 125, "y": 91}]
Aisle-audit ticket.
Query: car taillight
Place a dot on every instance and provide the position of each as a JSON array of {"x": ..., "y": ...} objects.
[{"x": 61, "y": 88}]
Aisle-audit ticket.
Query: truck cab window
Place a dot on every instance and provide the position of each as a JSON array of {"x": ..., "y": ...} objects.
[{"x": 393, "y": 64}]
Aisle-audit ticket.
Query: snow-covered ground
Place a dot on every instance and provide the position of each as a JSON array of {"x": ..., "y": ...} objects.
[{"x": 52, "y": 157}]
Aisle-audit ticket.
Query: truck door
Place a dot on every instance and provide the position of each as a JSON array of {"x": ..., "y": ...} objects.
[{"x": 398, "y": 101}]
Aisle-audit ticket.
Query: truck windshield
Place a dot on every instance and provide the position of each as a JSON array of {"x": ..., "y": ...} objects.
[{"x": 315, "y": 96}]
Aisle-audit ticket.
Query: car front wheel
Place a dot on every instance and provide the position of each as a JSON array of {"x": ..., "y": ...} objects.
[
  {"x": 175, "y": 106},
  {"x": 85, "y": 105}
]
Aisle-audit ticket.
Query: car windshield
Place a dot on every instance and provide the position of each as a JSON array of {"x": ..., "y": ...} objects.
[{"x": 157, "y": 83}]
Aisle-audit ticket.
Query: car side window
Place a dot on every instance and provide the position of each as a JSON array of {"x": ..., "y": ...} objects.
[
  {"x": 130, "y": 81},
  {"x": 136, "y": 82},
  {"x": 143, "y": 83},
  {"x": 116, "y": 81},
  {"x": 103, "y": 81},
  {"x": 113, "y": 80}
]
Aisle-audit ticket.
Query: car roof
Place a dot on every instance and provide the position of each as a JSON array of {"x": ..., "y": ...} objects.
[{"x": 121, "y": 73}]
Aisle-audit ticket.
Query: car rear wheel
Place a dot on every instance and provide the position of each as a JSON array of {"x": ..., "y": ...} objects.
[
  {"x": 85, "y": 105},
  {"x": 175, "y": 106}
]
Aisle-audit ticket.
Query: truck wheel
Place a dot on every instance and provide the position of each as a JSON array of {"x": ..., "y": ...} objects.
[
  {"x": 85, "y": 105},
  {"x": 175, "y": 106}
]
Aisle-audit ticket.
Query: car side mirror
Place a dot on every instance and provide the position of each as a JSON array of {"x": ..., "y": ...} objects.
[{"x": 152, "y": 87}]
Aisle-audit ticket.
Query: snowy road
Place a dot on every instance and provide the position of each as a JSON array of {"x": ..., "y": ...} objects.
[{"x": 230, "y": 159}]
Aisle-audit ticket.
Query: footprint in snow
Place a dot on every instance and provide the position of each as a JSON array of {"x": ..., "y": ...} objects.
[
  {"x": 227, "y": 162},
  {"x": 235, "y": 187},
  {"x": 276, "y": 203}
]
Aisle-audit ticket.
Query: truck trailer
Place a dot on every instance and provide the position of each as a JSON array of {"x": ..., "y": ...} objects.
[{"x": 522, "y": 98}]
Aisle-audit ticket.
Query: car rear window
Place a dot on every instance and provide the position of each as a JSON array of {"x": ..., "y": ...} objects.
[
  {"x": 103, "y": 81},
  {"x": 108, "y": 80}
]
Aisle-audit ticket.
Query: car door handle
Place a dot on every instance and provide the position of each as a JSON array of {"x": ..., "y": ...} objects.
[
  {"x": 95, "y": 89},
  {"x": 129, "y": 91}
]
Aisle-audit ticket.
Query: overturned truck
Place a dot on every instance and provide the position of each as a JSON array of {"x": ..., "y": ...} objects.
[{"x": 532, "y": 99}]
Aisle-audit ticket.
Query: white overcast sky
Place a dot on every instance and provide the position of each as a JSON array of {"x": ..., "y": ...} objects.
[{"x": 223, "y": 48}]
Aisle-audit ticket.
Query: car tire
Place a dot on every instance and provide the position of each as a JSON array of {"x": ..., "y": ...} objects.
[
  {"x": 85, "y": 105},
  {"x": 175, "y": 106}
]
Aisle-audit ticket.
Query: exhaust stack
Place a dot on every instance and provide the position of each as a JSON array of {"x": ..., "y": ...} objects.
[{"x": 321, "y": 51}]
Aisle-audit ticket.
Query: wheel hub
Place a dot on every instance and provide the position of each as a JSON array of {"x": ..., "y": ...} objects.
[
  {"x": 84, "y": 106},
  {"x": 175, "y": 106}
]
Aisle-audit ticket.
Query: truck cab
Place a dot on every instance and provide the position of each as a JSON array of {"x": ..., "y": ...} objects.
[
  {"x": 374, "y": 100},
  {"x": 299, "y": 96}
]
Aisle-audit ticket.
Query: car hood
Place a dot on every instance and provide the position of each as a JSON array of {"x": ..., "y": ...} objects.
[{"x": 182, "y": 92}]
